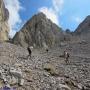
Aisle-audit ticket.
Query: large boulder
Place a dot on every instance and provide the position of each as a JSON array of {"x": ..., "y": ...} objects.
[
  {"x": 39, "y": 31},
  {"x": 4, "y": 16}
]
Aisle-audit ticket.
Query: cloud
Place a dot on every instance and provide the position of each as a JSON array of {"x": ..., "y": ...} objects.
[
  {"x": 15, "y": 21},
  {"x": 50, "y": 14},
  {"x": 77, "y": 19},
  {"x": 57, "y": 5},
  {"x": 54, "y": 11}
]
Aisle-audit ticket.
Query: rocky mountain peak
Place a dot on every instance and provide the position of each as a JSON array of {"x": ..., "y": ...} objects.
[
  {"x": 39, "y": 31},
  {"x": 88, "y": 17},
  {"x": 39, "y": 18},
  {"x": 84, "y": 27},
  {"x": 41, "y": 15}
]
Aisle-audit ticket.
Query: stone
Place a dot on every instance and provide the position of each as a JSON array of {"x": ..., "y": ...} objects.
[
  {"x": 51, "y": 69},
  {"x": 18, "y": 65},
  {"x": 13, "y": 81},
  {"x": 16, "y": 73},
  {"x": 61, "y": 86},
  {"x": 28, "y": 71},
  {"x": 21, "y": 82},
  {"x": 80, "y": 86}
]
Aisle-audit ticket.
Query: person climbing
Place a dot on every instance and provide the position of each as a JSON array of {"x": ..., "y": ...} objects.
[
  {"x": 29, "y": 51},
  {"x": 66, "y": 56}
]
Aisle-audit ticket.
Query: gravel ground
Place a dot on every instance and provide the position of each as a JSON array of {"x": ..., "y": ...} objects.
[{"x": 46, "y": 70}]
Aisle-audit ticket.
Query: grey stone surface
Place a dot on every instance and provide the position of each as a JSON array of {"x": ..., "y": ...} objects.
[{"x": 31, "y": 71}]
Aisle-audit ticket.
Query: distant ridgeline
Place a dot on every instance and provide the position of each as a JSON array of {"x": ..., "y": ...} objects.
[
  {"x": 39, "y": 31},
  {"x": 84, "y": 27},
  {"x": 4, "y": 16},
  {"x": 83, "y": 30}
]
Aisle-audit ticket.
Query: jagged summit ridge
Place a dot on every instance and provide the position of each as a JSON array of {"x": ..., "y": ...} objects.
[
  {"x": 39, "y": 31},
  {"x": 84, "y": 27}
]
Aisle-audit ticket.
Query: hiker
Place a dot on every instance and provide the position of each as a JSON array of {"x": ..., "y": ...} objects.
[
  {"x": 29, "y": 51},
  {"x": 66, "y": 56}
]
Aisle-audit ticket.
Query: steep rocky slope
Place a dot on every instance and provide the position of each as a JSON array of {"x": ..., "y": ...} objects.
[
  {"x": 84, "y": 27},
  {"x": 45, "y": 71},
  {"x": 83, "y": 30},
  {"x": 4, "y": 28},
  {"x": 39, "y": 32}
]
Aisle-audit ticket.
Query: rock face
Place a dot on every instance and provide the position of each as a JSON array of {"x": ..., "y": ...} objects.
[
  {"x": 84, "y": 27},
  {"x": 83, "y": 30},
  {"x": 4, "y": 15},
  {"x": 39, "y": 32}
]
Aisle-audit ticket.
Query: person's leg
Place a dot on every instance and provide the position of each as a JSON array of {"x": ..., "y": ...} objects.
[
  {"x": 67, "y": 60},
  {"x": 28, "y": 56}
]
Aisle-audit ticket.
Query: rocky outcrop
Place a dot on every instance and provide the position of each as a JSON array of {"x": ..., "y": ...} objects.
[
  {"x": 39, "y": 31},
  {"x": 84, "y": 27},
  {"x": 83, "y": 30},
  {"x": 10, "y": 76},
  {"x": 4, "y": 28}
]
